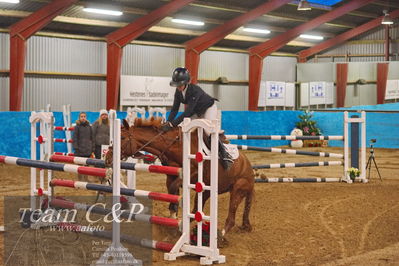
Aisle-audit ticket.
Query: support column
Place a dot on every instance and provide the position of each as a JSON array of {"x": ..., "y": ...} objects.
[
  {"x": 114, "y": 62},
  {"x": 192, "y": 58},
  {"x": 387, "y": 42},
  {"x": 17, "y": 69},
  {"x": 382, "y": 76},
  {"x": 341, "y": 80},
  {"x": 255, "y": 77}
]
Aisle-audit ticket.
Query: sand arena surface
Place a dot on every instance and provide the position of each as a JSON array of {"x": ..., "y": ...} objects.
[{"x": 293, "y": 224}]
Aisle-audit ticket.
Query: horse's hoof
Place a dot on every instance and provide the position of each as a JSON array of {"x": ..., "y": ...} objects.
[
  {"x": 246, "y": 227},
  {"x": 222, "y": 241}
]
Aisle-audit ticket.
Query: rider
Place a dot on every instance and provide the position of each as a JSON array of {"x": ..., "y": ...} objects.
[{"x": 198, "y": 105}]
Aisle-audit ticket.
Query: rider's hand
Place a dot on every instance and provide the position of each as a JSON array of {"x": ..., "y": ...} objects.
[{"x": 166, "y": 126}]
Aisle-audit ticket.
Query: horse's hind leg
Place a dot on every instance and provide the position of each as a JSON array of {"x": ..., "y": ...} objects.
[
  {"x": 237, "y": 194},
  {"x": 246, "y": 225},
  {"x": 173, "y": 184}
]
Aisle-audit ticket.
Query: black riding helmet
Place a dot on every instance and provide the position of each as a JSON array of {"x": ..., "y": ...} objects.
[{"x": 180, "y": 76}]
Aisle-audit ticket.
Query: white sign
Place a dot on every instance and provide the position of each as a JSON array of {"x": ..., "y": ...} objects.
[
  {"x": 275, "y": 93},
  {"x": 143, "y": 90},
  {"x": 319, "y": 92},
  {"x": 392, "y": 89}
]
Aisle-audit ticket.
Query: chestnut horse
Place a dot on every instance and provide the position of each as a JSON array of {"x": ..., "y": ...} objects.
[{"x": 239, "y": 180}]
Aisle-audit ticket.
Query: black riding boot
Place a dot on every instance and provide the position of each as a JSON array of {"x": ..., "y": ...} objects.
[{"x": 225, "y": 157}]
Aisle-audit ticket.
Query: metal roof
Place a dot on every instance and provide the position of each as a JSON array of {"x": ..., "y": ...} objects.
[{"x": 213, "y": 12}]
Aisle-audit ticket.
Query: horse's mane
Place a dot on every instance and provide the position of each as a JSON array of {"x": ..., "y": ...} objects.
[{"x": 151, "y": 122}]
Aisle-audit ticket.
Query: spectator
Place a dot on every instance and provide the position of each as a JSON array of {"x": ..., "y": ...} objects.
[
  {"x": 101, "y": 130},
  {"x": 83, "y": 137}
]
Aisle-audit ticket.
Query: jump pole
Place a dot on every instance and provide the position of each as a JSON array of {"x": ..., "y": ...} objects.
[
  {"x": 124, "y": 191},
  {"x": 169, "y": 170},
  {"x": 147, "y": 243}
]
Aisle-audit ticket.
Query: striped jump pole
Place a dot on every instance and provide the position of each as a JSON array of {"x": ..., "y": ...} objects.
[
  {"x": 64, "y": 153},
  {"x": 64, "y": 128},
  {"x": 169, "y": 170},
  {"x": 99, "y": 210},
  {"x": 298, "y": 180},
  {"x": 70, "y": 168},
  {"x": 64, "y": 140},
  {"x": 280, "y": 137},
  {"x": 290, "y": 151},
  {"x": 124, "y": 191},
  {"x": 294, "y": 165},
  {"x": 146, "y": 243}
]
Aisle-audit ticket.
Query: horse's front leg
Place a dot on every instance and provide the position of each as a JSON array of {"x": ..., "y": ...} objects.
[{"x": 173, "y": 184}]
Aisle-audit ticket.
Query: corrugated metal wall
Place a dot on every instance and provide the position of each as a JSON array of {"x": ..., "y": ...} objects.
[
  {"x": 65, "y": 55},
  {"x": 143, "y": 60},
  {"x": 82, "y": 94},
  {"x": 366, "y": 47},
  {"x": 4, "y": 96},
  {"x": 4, "y": 51}
]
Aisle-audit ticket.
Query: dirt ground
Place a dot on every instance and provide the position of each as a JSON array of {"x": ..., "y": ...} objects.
[{"x": 293, "y": 224}]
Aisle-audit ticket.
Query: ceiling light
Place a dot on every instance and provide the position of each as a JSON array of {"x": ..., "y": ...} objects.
[
  {"x": 103, "y": 11},
  {"x": 387, "y": 20},
  {"x": 10, "y": 1},
  {"x": 304, "y": 5},
  {"x": 312, "y": 37},
  {"x": 262, "y": 31},
  {"x": 188, "y": 22}
]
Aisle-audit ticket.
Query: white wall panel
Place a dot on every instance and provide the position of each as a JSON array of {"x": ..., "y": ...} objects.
[{"x": 278, "y": 68}]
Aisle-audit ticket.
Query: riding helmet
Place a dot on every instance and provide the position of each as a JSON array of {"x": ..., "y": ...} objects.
[{"x": 180, "y": 76}]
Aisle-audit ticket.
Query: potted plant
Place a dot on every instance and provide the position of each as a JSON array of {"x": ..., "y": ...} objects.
[
  {"x": 353, "y": 173},
  {"x": 309, "y": 128}
]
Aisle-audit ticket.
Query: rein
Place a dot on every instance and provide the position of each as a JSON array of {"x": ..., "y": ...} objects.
[{"x": 150, "y": 141}]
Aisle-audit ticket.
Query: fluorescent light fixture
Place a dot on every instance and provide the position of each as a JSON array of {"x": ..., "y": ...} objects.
[
  {"x": 10, "y": 1},
  {"x": 304, "y": 5},
  {"x": 387, "y": 20},
  {"x": 103, "y": 11},
  {"x": 262, "y": 31},
  {"x": 311, "y": 37},
  {"x": 188, "y": 22}
]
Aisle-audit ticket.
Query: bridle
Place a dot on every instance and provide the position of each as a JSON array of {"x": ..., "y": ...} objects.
[{"x": 130, "y": 136}]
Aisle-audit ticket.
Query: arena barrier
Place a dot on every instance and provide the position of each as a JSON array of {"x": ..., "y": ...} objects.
[
  {"x": 354, "y": 121},
  {"x": 183, "y": 246}
]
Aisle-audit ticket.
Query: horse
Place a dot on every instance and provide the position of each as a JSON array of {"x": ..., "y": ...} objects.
[{"x": 145, "y": 135}]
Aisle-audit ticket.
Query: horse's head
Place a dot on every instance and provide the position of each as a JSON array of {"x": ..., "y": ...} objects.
[{"x": 144, "y": 135}]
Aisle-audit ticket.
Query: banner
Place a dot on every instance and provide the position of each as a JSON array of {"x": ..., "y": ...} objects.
[
  {"x": 392, "y": 90},
  {"x": 275, "y": 93},
  {"x": 147, "y": 91}
]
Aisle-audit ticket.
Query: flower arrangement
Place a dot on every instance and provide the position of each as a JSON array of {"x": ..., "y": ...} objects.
[
  {"x": 307, "y": 125},
  {"x": 353, "y": 173}
]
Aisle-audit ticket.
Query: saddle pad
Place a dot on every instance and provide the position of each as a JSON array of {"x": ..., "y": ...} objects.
[{"x": 230, "y": 148}]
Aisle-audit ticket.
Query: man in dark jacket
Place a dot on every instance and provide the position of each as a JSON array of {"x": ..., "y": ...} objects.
[
  {"x": 198, "y": 103},
  {"x": 82, "y": 137}
]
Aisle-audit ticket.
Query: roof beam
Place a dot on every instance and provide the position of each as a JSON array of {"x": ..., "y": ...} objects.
[
  {"x": 197, "y": 45},
  {"x": 121, "y": 37},
  {"x": 303, "y": 55},
  {"x": 260, "y": 51},
  {"x": 19, "y": 33}
]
